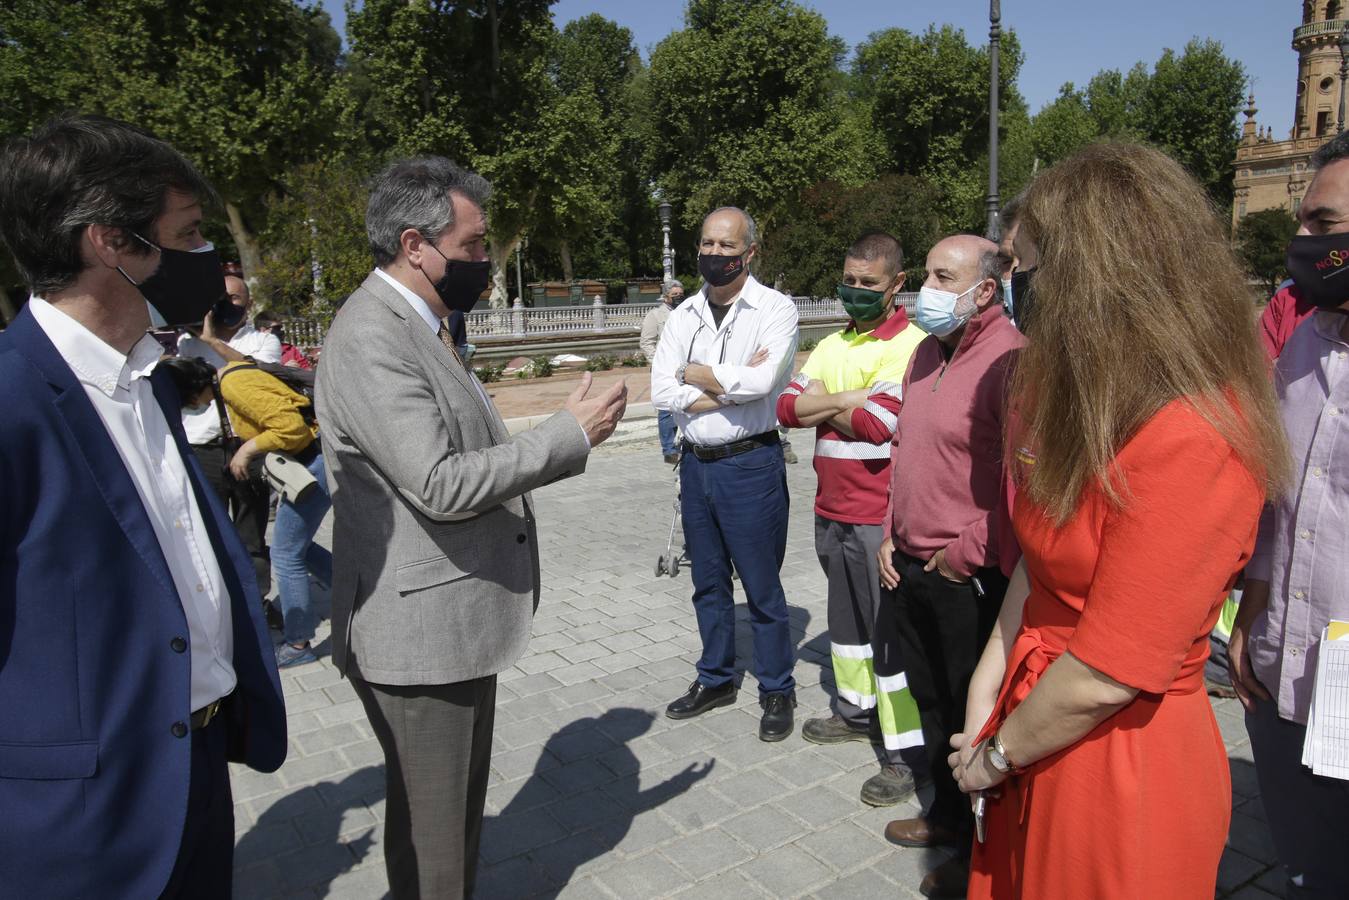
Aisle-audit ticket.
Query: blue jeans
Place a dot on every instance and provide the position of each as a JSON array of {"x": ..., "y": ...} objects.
[
  {"x": 665, "y": 422},
  {"x": 735, "y": 511},
  {"x": 295, "y": 556}
]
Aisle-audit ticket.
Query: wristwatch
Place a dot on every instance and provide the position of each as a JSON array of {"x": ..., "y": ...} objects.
[
  {"x": 997, "y": 755},
  {"x": 679, "y": 373}
]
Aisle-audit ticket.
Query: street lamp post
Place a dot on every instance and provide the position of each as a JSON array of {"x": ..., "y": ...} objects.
[
  {"x": 1344, "y": 73},
  {"x": 667, "y": 259},
  {"x": 994, "y": 34}
]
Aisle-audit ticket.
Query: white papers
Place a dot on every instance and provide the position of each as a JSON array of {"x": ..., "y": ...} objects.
[{"x": 1326, "y": 748}]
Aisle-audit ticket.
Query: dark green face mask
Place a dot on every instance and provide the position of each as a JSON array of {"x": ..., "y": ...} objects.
[{"x": 863, "y": 305}]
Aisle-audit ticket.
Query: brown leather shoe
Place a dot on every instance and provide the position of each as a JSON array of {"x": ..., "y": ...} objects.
[
  {"x": 919, "y": 833},
  {"x": 948, "y": 881}
]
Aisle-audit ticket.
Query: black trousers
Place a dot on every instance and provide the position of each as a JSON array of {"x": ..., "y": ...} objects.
[
  {"x": 204, "y": 869},
  {"x": 437, "y": 743},
  {"x": 247, "y": 502},
  {"x": 940, "y": 628}
]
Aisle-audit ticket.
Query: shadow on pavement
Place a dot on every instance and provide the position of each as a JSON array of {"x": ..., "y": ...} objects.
[{"x": 572, "y": 810}]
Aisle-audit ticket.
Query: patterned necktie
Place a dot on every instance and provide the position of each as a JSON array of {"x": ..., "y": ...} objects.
[{"x": 443, "y": 332}]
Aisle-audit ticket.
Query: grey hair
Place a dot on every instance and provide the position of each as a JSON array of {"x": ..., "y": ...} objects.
[
  {"x": 1333, "y": 150},
  {"x": 415, "y": 193},
  {"x": 990, "y": 265},
  {"x": 671, "y": 284},
  {"x": 751, "y": 229}
]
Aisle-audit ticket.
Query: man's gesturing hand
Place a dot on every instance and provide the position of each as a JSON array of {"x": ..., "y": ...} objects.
[{"x": 598, "y": 415}]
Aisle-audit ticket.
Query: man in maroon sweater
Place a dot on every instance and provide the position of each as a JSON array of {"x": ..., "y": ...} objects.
[{"x": 940, "y": 561}]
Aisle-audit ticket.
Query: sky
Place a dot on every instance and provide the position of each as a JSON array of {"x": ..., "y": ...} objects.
[{"x": 1064, "y": 40}]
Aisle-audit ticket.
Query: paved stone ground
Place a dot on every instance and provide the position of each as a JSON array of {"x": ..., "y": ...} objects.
[{"x": 594, "y": 793}]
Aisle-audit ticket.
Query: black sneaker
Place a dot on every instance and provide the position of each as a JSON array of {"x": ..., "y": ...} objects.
[{"x": 776, "y": 723}]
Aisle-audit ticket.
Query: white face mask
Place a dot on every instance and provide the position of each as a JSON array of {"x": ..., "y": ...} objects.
[{"x": 941, "y": 312}]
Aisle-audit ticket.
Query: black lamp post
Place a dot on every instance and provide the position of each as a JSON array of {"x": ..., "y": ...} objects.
[
  {"x": 1344, "y": 72},
  {"x": 994, "y": 34},
  {"x": 667, "y": 258}
]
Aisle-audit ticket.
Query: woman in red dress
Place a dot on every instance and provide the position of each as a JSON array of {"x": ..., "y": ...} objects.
[{"x": 1147, "y": 441}]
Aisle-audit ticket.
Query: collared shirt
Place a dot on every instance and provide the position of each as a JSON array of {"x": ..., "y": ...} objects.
[
  {"x": 653, "y": 323},
  {"x": 119, "y": 388},
  {"x": 759, "y": 318},
  {"x": 854, "y": 470},
  {"x": 1303, "y": 547},
  {"x": 946, "y": 474},
  {"x": 1284, "y": 312}
]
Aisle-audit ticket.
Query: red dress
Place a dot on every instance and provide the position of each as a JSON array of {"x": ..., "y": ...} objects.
[{"x": 1140, "y": 806}]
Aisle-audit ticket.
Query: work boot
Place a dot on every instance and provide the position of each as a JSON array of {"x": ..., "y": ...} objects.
[
  {"x": 889, "y": 786},
  {"x": 835, "y": 730}
]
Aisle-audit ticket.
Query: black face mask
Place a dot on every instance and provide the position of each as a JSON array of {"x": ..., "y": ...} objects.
[
  {"x": 1023, "y": 300},
  {"x": 186, "y": 284},
  {"x": 1319, "y": 264},
  {"x": 463, "y": 282},
  {"x": 720, "y": 271}
]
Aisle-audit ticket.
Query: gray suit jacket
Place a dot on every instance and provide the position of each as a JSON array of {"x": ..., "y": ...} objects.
[{"x": 435, "y": 559}]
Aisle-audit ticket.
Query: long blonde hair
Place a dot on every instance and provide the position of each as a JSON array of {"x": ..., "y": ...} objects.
[{"x": 1139, "y": 301}]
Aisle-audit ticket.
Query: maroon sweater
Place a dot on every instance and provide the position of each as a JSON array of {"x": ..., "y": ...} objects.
[{"x": 946, "y": 472}]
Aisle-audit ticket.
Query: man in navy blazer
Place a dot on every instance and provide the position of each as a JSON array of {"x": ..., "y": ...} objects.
[{"x": 133, "y": 656}]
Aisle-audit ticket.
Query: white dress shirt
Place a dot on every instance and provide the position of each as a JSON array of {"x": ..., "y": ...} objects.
[
  {"x": 119, "y": 388},
  {"x": 261, "y": 345},
  {"x": 759, "y": 318}
]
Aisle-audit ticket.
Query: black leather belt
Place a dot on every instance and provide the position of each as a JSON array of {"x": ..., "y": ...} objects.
[
  {"x": 735, "y": 448},
  {"x": 202, "y": 717}
]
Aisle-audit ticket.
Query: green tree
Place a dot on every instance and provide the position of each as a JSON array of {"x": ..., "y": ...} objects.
[
  {"x": 808, "y": 245},
  {"x": 928, "y": 95},
  {"x": 1063, "y": 126},
  {"x": 1190, "y": 109},
  {"x": 1116, "y": 101},
  {"x": 746, "y": 108},
  {"x": 240, "y": 86},
  {"x": 1262, "y": 242}
]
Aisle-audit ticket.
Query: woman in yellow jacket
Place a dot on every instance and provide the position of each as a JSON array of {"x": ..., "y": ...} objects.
[{"x": 269, "y": 416}]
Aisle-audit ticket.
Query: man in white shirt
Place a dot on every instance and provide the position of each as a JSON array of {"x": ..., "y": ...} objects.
[
  {"x": 724, "y": 357},
  {"x": 133, "y": 658}
]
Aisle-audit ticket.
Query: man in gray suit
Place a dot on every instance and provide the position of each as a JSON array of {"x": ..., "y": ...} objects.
[{"x": 435, "y": 559}]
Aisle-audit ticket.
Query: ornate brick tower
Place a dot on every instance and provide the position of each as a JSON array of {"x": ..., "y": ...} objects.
[{"x": 1272, "y": 173}]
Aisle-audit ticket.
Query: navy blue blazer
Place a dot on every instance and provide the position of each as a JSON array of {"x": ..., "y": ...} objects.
[{"x": 94, "y": 676}]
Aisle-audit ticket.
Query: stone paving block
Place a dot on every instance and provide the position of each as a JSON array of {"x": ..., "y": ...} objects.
[
  {"x": 695, "y": 810},
  {"x": 662, "y": 651},
  {"x": 353, "y": 820},
  {"x": 352, "y": 787},
  {"x": 540, "y": 662},
  {"x": 247, "y": 784},
  {"x": 583, "y": 652},
  {"x": 787, "y": 872},
  {"x": 584, "y": 775},
  {"x": 765, "y": 827},
  {"x": 315, "y": 677},
  {"x": 749, "y": 789},
  {"x": 584, "y": 889},
  {"x": 522, "y": 762},
  {"x": 630, "y": 640},
  {"x": 359, "y": 884},
  {"x": 326, "y": 739},
  {"x": 266, "y": 841},
  {"x": 298, "y": 723},
  {"x": 617, "y": 662},
  {"x": 511, "y": 880},
  {"x": 906, "y": 867},
  {"x": 1250, "y": 836},
  {"x": 507, "y": 836},
  {"x": 350, "y": 711},
  {"x": 1235, "y": 869},
  {"x": 583, "y": 692},
  {"x": 537, "y": 704},
  {"x": 313, "y": 865},
  {"x": 705, "y": 853},
  {"x": 534, "y": 684},
  {"x": 866, "y": 884},
  {"x": 819, "y": 806},
  {"x": 573, "y": 857},
  {"x": 642, "y": 877},
  {"x": 584, "y": 616},
  {"x": 844, "y": 846},
  {"x": 311, "y": 769},
  {"x": 586, "y": 810},
  {"x": 630, "y": 837},
  {"x": 577, "y": 673}
]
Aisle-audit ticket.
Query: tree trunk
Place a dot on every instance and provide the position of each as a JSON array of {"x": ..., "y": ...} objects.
[
  {"x": 499, "y": 252},
  {"x": 249, "y": 256},
  {"x": 564, "y": 251},
  {"x": 7, "y": 308}
]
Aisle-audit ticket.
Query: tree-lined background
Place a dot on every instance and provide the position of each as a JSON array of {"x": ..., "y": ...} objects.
[{"x": 751, "y": 103}]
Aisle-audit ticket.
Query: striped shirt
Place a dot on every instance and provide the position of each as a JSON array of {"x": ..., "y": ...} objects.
[{"x": 854, "y": 472}]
